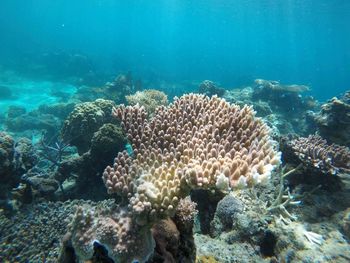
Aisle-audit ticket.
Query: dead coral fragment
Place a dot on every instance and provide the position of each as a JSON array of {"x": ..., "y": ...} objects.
[{"x": 190, "y": 144}]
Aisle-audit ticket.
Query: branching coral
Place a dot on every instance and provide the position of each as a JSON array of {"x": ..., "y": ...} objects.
[
  {"x": 315, "y": 153},
  {"x": 196, "y": 142}
]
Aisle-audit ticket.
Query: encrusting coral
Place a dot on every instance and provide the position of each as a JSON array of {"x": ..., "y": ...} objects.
[{"x": 196, "y": 142}]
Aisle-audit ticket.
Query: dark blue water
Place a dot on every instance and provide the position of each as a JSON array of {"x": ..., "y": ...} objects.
[{"x": 232, "y": 42}]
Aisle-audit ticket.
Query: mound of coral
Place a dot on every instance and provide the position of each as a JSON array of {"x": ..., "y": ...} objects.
[
  {"x": 333, "y": 121},
  {"x": 86, "y": 118},
  {"x": 150, "y": 99}
]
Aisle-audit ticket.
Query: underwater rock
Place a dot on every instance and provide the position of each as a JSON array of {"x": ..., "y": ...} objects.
[
  {"x": 33, "y": 121},
  {"x": 122, "y": 83},
  {"x": 59, "y": 110},
  {"x": 333, "y": 121},
  {"x": 209, "y": 88},
  {"x": 15, "y": 111},
  {"x": 283, "y": 98},
  {"x": 45, "y": 187},
  {"x": 284, "y": 112},
  {"x": 86, "y": 118},
  {"x": 275, "y": 85},
  {"x": 150, "y": 99}
]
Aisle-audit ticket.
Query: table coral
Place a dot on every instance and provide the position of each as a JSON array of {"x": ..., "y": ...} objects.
[{"x": 188, "y": 145}]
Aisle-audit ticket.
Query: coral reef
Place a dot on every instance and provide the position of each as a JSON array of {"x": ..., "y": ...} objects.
[
  {"x": 218, "y": 146},
  {"x": 114, "y": 229},
  {"x": 150, "y": 99},
  {"x": 196, "y": 142},
  {"x": 33, "y": 234},
  {"x": 283, "y": 107},
  {"x": 15, "y": 111},
  {"x": 86, "y": 118},
  {"x": 81, "y": 172},
  {"x": 16, "y": 157},
  {"x": 283, "y": 98},
  {"x": 59, "y": 110},
  {"x": 7, "y": 178},
  {"x": 333, "y": 121},
  {"x": 316, "y": 154},
  {"x": 209, "y": 88},
  {"x": 115, "y": 90}
]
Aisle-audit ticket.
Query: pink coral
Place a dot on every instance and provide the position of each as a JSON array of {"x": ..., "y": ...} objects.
[{"x": 195, "y": 142}]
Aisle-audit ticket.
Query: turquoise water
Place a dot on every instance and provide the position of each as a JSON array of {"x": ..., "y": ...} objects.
[
  {"x": 231, "y": 42},
  {"x": 258, "y": 173}
]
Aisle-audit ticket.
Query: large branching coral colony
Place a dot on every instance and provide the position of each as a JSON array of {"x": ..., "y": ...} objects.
[{"x": 196, "y": 142}]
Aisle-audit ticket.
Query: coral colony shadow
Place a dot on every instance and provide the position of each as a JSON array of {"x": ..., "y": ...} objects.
[{"x": 118, "y": 155}]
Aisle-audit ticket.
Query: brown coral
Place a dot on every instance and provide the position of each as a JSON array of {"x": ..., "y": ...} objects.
[
  {"x": 315, "y": 153},
  {"x": 196, "y": 142}
]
